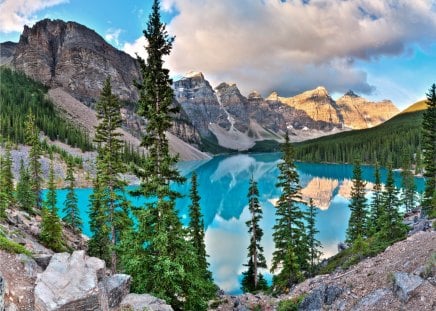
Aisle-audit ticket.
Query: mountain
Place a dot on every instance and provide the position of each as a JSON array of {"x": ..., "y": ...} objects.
[
  {"x": 74, "y": 60},
  {"x": 387, "y": 142}
]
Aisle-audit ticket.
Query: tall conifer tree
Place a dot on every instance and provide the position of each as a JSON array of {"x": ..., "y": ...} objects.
[
  {"x": 357, "y": 225},
  {"x": 24, "y": 195},
  {"x": 408, "y": 195},
  {"x": 71, "y": 210},
  {"x": 291, "y": 252},
  {"x": 32, "y": 139},
  {"x": 429, "y": 152},
  {"x": 159, "y": 246},
  {"x": 7, "y": 179},
  {"x": 51, "y": 227},
  {"x": 3, "y": 196},
  {"x": 376, "y": 203},
  {"x": 253, "y": 280},
  {"x": 314, "y": 244}
]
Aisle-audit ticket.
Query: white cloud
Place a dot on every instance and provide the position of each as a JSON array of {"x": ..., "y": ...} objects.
[
  {"x": 112, "y": 35},
  {"x": 292, "y": 46},
  {"x": 137, "y": 47},
  {"x": 14, "y": 14}
]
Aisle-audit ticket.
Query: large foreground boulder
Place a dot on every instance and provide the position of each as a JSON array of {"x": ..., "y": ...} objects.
[
  {"x": 136, "y": 302},
  {"x": 405, "y": 285}
]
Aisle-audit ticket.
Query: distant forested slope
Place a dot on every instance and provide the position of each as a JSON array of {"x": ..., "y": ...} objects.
[{"x": 389, "y": 141}]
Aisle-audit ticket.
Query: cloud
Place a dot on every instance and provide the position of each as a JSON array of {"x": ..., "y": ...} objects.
[
  {"x": 291, "y": 46},
  {"x": 137, "y": 47},
  {"x": 14, "y": 14},
  {"x": 112, "y": 35}
]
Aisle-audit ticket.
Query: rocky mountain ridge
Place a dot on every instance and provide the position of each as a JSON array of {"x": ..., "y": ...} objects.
[{"x": 73, "y": 58}]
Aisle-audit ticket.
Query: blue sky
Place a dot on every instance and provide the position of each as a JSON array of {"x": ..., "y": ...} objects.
[{"x": 380, "y": 49}]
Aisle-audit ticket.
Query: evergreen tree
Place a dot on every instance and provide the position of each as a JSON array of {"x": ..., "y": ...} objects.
[
  {"x": 32, "y": 139},
  {"x": 253, "y": 280},
  {"x": 99, "y": 243},
  {"x": 109, "y": 166},
  {"x": 71, "y": 210},
  {"x": 376, "y": 204},
  {"x": 391, "y": 225},
  {"x": 196, "y": 227},
  {"x": 408, "y": 197},
  {"x": 25, "y": 196},
  {"x": 291, "y": 251},
  {"x": 357, "y": 225},
  {"x": 429, "y": 152},
  {"x": 7, "y": 178},
  {"x": 159, "y": 246},
  {"x": 3, "y": 195},
  {"x": 314, "y": 244},
  {"x": 51, "y": 227}
]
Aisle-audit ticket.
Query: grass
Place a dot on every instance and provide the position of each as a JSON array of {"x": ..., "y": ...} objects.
[
  {"x": 290, "y": 304},
  {"x": 13, "y": 247}
]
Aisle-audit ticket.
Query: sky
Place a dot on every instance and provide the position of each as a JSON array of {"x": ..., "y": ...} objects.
[{"x": 380, "y": 49}]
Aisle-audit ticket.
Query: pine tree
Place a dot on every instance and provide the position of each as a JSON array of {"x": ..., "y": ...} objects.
[
  {"x": 291, "y": 251},
  {"x": 7, "y": 178},
  {"x": 51, "y": 227},
  {"x": 408, "y": 196},
  {"x": 429, "y": 152},
  {"x": 109, "y": 166},
  {"x": 196, "y": 227},
  {"x": 25, "y": 196},
  {"x": 357, "y": 225},
  {"x": 99, "y": 243},
  {"x": 391, "y": 225},
  {"x": 376, "y": 204},
  {"x": 71, "y": 210},
  {"x": 32, "y": 139},
  {"x": 314, "y": 244},
  {"x": 3, "y": 195},
  {"x": 253, "y": 280},
  {"x": 159, "y": 246}
]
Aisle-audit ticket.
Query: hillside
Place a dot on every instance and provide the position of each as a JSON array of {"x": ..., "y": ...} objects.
[{"x": 383, "y": 143}]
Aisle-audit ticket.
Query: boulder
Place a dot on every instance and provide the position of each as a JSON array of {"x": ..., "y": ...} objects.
[
  {"x": 42, "y": 260},
  {"x": 70, "y": 282},
  {"x": 370, "y": 300},
  {"x": 2, "y": 292},
  {"x": 30, "y": 265},
  {"x": 136, "y": 302},
  {"x": 115, "y": 288},
  {"x": 405, "y": 285},
  {"x": 331, "y": 294},
  {"x": 322, "y": 295}
]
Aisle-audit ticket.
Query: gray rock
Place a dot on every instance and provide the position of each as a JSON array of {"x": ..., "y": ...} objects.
[
  {"x": 331, "y": 294},
  {"x": 370, "y": 300},
  {"x": 314, "y": 301},
  {"x": 2, "y": 292},
  {"x": 30, "y": 265},
  {"x": 405, "y": 284},
  {"x": 42, "y": 260},
  {"x": 115, "y": 288},
  {"x": 342, "y": 246},
  {"x": 421, "y": 225},
  {"x": 136, "y": 302},
  {"x": 70, "y": 282}
]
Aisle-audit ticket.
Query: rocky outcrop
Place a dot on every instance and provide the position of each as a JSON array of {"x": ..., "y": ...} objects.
[
  {"x": 359, "y": 113},
  {"x": 76, "y": 58},
  {"x": 7, "y": 50},
  {"x": 405, "y": 284},
  {"x": 136, "y": 302}
]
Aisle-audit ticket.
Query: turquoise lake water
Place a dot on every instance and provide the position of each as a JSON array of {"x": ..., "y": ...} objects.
[{"x": 223, "y": 185}]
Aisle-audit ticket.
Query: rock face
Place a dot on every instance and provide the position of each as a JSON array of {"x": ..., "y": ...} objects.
[
  {"x": 7, "y": 50},
  {"x": 405, "y": 284},
  {"x": 2, "y": 293},
  {"x": 76, "y": 58},
  {"x": 359, "y": 113},
  {"x": 70, "y": 282},
  {"x": 136, "y": 302}
]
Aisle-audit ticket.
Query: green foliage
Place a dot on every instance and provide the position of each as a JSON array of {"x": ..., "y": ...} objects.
[
  {"x": 291, "y": 249},
  {"x": 313, "y": 243},
  {"x": 253, "y": 280},
  {"x": 265, "y": 146},
  {"x": 429, "y": 152},
  {"x": 112, "y": 208},
  {"x": 157, "y": 253},
  {"x": 51, "y": 227},
  {"x": 376, "y": 204},
  {"x": 12, "y": 247},
  {"x": 7, "y": 178},
  {"x": 25, "y": 196},
  {"x": 71, "y": 210},
  {"x": 290, "y": 304},
  {"x": 357, "y": 225},
  {"x": 408, "y": 196},
  {"x": 385, "y": 142},
  {"x": 19, "y": 95},
  {"x": 32, "y": 139}
]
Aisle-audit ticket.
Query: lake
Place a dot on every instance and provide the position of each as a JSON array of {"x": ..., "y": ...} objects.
[{"x": 223, "y": 186}]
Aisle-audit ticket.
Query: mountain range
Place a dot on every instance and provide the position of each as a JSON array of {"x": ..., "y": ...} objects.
[{"x": 73, "y": 61}]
